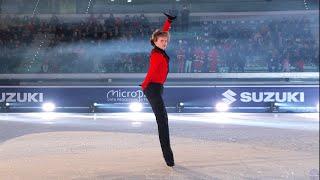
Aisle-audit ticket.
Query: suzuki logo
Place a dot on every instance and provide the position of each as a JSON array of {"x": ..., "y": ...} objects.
[
  {"x": 258, "y": 97},
  {"x": 13, "y": 97},
  {"x": 229, "y": 99}
]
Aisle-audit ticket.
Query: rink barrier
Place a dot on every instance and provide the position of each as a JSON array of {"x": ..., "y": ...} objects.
[
  {"x": 99, "y": 76},
  {"x": 244, "y": 98}
]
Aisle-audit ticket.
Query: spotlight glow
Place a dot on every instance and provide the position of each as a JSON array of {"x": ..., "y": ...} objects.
[
  {"x": 7, "y": 104},
  {"x": 222, "y": 107},
  {"x": 181, "y": 104},
  {"x": 135, "y": 107},
  {"x": 48, "y": 107}
]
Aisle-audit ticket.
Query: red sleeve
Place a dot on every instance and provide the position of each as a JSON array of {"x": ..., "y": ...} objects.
[
  {"x": 166, "y": 25},
  {"x": 154, "y": 65}
]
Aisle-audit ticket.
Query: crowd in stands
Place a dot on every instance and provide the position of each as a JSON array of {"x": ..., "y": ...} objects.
[
  {"x": 277, "y": 45},
  {"x": 108, "y": 44}
]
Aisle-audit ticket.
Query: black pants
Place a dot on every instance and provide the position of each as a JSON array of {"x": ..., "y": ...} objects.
[{"x": 154, "y": 93}]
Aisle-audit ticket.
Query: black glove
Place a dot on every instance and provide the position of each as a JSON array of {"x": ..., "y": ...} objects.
[{"x": 171, "y": 18}]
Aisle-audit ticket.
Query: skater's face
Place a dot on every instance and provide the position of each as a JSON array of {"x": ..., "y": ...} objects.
[{"x": 162, "y": 42}]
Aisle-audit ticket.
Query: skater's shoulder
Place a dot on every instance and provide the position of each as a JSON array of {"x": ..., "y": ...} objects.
[{"x": 159, "y": 51}]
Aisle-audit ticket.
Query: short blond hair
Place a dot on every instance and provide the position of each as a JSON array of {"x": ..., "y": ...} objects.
[{"x": 158, "y": 33}]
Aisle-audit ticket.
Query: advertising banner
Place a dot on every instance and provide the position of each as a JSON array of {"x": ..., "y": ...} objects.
[
  {"x": 192, "y": 97},
  {"x": 258, "y": 96}
]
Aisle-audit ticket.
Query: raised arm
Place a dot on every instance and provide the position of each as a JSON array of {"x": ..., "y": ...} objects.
[{"x": 167, "y": 23}]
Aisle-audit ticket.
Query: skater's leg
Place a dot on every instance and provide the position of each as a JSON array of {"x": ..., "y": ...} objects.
[{"x": 153, "y": 94}]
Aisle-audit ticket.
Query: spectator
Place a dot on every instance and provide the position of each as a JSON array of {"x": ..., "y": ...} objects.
[
  {"x": 273, "y": 62},
  {"x": 300, "y": 65},
  {"x": 45, "y": 66},
  {"x": 188, "y": 65},
  {"x": 181, "y": 57},
  {"x": 286, "y": 63},
  {"x": 213, "y": 59},
  {"x": 198, "y": 59},
  {"x": 240, "y": 60},
  {"x": 54, "y": 20}
]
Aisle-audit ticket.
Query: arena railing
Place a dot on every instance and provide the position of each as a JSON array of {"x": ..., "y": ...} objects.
[
  {"x": 97, "y": 76},
  {"x": 174, "y": 79}
]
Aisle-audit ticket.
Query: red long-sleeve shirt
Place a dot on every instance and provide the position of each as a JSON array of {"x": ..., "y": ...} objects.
[{"x": 159, "y": 64}]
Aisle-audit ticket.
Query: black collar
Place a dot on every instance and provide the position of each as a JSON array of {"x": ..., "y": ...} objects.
[{"x": 156, "y": 48}]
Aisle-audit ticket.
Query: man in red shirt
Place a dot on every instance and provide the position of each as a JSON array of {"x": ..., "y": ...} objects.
[
  {"x": 213, "y": 59},
  {"x": 181, "y": 55},
  {"x": 152, "y": 85}
]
